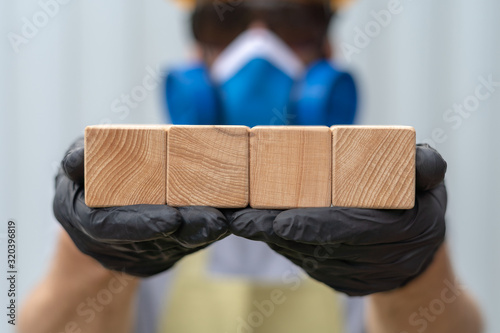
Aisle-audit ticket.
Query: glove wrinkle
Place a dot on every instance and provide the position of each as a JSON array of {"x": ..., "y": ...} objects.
[{"x": 202, "y": 226}]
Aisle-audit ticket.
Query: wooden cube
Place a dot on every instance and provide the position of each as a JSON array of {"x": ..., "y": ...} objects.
[
  {"x": 373, "y": 167},
  {"x": 290, "y": 167},
  {"x": 125, "y": 165},
  {"x": 208, "y": 166}
]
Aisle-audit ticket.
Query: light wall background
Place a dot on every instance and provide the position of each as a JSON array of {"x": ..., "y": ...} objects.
[{"x": 429, "y": 57}]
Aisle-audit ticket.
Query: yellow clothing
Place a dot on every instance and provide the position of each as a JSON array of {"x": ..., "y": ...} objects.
[{"x": 214, "y": 304}]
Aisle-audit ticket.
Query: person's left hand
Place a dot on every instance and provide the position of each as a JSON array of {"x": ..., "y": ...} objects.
[{"x": 359, "y": 251}]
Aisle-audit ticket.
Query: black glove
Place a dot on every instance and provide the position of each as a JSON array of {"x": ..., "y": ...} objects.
[
  {"x": 359, "y": 251},
  {"x": 140, "y": 240}
]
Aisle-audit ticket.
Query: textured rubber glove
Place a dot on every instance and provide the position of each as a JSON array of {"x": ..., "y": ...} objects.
[
  {"x": 359, "y": 251},
  {"x": 140, "y": 240}
]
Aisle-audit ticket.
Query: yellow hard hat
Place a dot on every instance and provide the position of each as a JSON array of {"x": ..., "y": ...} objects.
[{"x": 334, "y": 3}]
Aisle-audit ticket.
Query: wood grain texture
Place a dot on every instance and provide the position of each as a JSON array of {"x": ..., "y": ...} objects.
[
  {"x": 290, "y": 167},
  {"x": 373, "y": 167},
  {"x": 125, "y": 165},
  {"x": 208, "y": 166}
]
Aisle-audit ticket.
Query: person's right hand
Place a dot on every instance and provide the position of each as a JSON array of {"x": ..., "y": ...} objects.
[
  {"x": 140, "y": 240},
  {"x": 359, "y": 251}
]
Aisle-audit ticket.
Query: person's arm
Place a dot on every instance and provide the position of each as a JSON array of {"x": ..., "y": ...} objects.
[
  {"x": 79, "y": 295},
  {"x": 432, "y": 303}
]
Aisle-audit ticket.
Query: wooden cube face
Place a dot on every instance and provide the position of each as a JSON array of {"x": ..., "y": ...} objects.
[
  {"x": 208, "y": 166},
  {"x": 290, "y": 167},
  {"x": 125, "y": 165},
  {"x": 373, "y": 167}
]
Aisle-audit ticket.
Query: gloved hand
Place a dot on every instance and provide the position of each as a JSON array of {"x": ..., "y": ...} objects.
[
  {"x": 359, "y": 251},
  {"x": 139, "y": 240}
]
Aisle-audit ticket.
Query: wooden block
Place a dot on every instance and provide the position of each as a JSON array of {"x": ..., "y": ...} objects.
[
  {"x": 373, "y": 167},
  {"x": 208, "y": 166},
  {"x": 290, "y": 167},
  {"x": 125, "y": 165}
]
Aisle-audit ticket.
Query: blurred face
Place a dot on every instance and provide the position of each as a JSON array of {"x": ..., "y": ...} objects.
[{"x": 302, "y": 25}]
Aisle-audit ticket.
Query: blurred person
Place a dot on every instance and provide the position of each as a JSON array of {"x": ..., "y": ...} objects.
[{"x": 261, "y": 63}]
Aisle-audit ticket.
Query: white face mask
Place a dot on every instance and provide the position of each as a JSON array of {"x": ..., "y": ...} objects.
[{"x": 255, "y": 43}]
